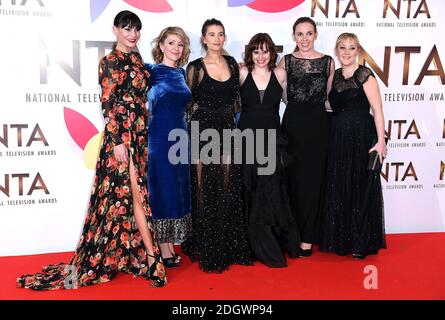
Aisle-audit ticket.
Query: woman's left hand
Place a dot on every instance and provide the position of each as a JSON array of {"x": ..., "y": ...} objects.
[{"x": 381, "y": 149}]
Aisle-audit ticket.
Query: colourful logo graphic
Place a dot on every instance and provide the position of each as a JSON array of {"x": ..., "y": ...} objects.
[
  {"x": 84, "y": 134},
  {"x": 98, "y": 6},
  {"x": 151, "y": 5},
  {"x": 239, "y": 3},
  {"x": 271, "y": 6}
]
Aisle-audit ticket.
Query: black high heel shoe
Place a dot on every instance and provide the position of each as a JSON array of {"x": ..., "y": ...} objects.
[
  {"x": 359, "y": 256},
  {"x": 170, "y": 262},
  {"x": 305, "y": 252},
  {"x": 158, "y": 282}
]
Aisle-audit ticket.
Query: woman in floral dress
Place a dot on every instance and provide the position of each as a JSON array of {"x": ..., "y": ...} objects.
[{"x": 118, "y": 233}]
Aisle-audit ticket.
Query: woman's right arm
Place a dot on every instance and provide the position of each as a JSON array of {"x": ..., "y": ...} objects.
[
  {"x": 243, "y": 72},
  {"x": 281, "y": 69},
  {"x": 372, "y": 92},
  {"x": 282, "y": 63},
  {"x": 117, "y": 121},
  {"x": 191, "y": 83}
]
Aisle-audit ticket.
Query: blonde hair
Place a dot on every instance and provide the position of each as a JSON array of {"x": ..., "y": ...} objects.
[
  {"x": 158, "y": 55},
  {"x": 347, "y": 35}
]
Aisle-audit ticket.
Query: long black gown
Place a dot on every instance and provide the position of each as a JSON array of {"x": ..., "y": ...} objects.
[
  {"x": 306, "y": 125},
  {"x": 272, "y": 228},
  {"x": 352, "y": 219},
  {"x": 219, "y": 237}
]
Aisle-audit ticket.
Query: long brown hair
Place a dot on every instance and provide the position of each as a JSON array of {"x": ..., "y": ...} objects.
[
  {"x": 257, "y": 42},
  {"x": 205, "y": 26}
]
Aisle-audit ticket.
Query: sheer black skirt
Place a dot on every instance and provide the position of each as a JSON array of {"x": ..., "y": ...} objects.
[{"x": 352, "y": 220}]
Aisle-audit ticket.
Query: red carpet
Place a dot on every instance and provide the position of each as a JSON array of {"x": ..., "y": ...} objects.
[{"x": 413, "y": 267}]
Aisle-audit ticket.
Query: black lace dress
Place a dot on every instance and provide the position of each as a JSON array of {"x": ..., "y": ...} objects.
[
  {"x": 219, "y": 237},
  {"x": 272, "y": 225},
  {"x": 352, "y": 219},
  {"x": 306, "y": 125}
]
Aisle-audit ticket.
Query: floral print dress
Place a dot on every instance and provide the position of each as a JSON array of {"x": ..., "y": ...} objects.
[{"x": 110, "y": 240}]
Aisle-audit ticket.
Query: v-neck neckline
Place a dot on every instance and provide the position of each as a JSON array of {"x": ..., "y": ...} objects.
[{"x": 258, "y": 90}]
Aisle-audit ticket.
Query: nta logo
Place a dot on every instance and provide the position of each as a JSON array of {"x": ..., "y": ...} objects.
[
  {"x": 21, "y": 178},
  {"x": 19, "y": 133},
  {"x": 396, "y": 168},
  {"x": 403, "y": 129},
  {"x": 352, "y": 8}
]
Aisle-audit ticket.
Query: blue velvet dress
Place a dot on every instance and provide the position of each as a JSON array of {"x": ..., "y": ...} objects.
[{"x": 168, "y": 184}]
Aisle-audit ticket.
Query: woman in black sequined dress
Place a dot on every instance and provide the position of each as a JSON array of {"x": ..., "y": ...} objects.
[
  {"x": 219, "y": 237},
  {"x": 306, "y": 126},
  {"x": 352, "y": 219}
]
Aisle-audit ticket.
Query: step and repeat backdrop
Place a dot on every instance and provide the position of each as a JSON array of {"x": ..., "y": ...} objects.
[{"x": 51, "y": 121}]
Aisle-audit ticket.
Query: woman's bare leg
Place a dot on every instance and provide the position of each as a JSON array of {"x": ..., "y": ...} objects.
[
  {"x": 199, "y": 173},
  {"x": 165, "y": 249},
  {"x": 171, "y": 248},
  {"x": 139, "y": 215}
]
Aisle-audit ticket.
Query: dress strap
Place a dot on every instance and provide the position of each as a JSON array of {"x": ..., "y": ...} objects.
[
  {"x": 197, "y": 66},
  {"x": 328, "y": 66},
  {"x": 233, "y": 67},
  {"x": 286, "y": 61}
]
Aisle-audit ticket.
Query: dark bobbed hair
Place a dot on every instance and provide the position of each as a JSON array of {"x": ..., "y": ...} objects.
[
  {"x": 303, "y": 20},
  {"x": 257, "y": 42},
  {"x": 127, "y": 19}
]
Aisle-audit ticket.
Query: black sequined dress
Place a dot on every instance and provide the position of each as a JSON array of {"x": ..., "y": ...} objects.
[
  {"x": 306, "y": 125},
  {"x": 352, "y": 220},
  {"x": 219, "y": 237}
]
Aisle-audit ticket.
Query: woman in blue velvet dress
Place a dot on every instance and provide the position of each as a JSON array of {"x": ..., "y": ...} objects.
[{"x": 169, "y": 182}]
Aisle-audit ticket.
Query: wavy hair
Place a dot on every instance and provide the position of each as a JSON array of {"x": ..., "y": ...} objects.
[{"x": 158, "y": 55}]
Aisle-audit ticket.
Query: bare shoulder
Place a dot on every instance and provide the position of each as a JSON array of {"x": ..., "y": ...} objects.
[
  {"x": 281, "y": 63},
  {"x": 281, "y": 74},
  {"x": 319, "y": 54},
  {"x": 243, "y": 71},
  {"x": 370, "y": 83}
]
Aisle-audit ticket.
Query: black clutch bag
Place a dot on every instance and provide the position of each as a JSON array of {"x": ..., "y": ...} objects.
[{"x": 374, "y": 163}]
